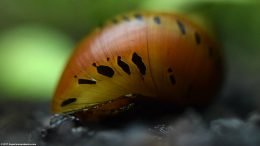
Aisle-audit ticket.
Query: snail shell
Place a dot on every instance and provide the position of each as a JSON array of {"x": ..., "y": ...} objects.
[{"x": 161, "y": 56}]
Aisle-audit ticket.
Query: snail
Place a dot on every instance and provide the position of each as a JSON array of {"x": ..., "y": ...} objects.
[{"x": 162, "y": 57}]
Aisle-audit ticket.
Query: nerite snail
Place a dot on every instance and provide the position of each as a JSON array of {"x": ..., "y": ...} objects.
[{"x": 160, "y": 56}]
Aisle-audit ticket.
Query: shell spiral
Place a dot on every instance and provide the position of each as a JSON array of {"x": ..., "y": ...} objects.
[{"x": 158, "y": 55}]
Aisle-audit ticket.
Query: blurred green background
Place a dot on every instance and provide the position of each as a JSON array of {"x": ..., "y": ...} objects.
[{"x": 37, "y": 37}]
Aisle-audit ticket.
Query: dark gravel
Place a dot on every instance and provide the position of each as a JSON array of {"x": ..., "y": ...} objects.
[{"x": 222, "y": 124}]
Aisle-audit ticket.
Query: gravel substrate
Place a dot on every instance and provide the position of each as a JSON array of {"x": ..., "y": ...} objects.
[{"x": 223, "y": 124}]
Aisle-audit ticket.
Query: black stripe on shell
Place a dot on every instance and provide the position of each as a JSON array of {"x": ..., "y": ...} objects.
[
  {"x": 86, "y": 81},
  {"x": 105, "y": 70},
  {"x": 181, "y": 27},
  {"x": 137, "y": 60},
  {"x": 124, "y": 66},
  {"x": 68, "y": 101}
]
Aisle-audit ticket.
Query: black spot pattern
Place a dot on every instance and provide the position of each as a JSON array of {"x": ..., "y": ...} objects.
[
  {"x": 124, "y": 66},
  {"x": 105, "y": 70},
  {"x": 139, "y": 63},
  {"x": 181, "y": 27},
  {"x": 86, "y": 81},
  {"x": 157, "y": 20},
  {"x": 197, "y": 38},
  {"x": 68, "y": 101}
]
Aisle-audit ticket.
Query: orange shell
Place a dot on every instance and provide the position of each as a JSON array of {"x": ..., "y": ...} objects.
[{"x": 158, "y": 55}]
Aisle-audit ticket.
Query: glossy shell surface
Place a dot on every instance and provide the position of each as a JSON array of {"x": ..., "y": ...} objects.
[{"x": 161, "y": 56}]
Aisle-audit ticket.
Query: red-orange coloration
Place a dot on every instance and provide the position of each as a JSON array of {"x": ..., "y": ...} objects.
[{"x": 157, "y": 55}]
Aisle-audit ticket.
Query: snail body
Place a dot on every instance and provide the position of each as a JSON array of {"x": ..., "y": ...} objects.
[{"x": 161, "y": 56}]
